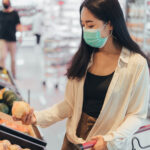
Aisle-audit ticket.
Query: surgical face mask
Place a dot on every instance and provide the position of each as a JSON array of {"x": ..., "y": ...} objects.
[
  {"x": 93, "y": 38},
  {"x": 6, "y": 6}
]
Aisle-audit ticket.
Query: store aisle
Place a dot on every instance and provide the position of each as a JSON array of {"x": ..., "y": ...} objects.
[{"x": 30, "y": 74}]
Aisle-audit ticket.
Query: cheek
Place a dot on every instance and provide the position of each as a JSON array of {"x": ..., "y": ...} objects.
[{"x": 105, "y": 33}]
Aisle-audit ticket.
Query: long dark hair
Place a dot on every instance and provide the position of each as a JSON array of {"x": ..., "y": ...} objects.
[{"x": 105, "y": 10}]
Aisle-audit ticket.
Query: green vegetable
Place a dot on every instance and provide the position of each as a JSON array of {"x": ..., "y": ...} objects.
[
  {"x": 4, "y": 108},
  {"x": 9, "y": 98},
  {"x": 7, "y": 93}
]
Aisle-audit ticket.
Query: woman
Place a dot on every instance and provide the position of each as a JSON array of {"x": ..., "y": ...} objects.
[{"x": 107, "y": 92}]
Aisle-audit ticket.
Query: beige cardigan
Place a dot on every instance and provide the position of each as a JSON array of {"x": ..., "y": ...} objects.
[{"x": 125, "y": 105}]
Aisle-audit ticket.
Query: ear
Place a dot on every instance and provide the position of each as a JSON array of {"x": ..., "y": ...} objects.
[{"x": 9, "y": 3}]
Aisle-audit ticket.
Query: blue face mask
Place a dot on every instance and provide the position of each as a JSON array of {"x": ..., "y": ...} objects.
[{"x": 93, "y": 38}]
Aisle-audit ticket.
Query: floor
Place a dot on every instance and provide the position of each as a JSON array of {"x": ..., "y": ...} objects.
[{"x": 30, "y": 77}]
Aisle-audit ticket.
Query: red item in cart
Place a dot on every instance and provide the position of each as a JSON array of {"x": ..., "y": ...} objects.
[{"x": 86, "y": 145}]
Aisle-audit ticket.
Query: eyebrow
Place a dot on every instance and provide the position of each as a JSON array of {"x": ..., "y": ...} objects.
[{"x": 87, "y": 21}]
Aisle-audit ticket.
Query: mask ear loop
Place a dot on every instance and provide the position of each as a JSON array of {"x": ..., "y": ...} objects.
[
  {"x": 113, "y": 35},
  {"x": 104, "y": 26},
  {"x": 111, "y": 31}
]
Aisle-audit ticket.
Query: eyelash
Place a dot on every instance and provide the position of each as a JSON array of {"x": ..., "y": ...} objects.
[
  {"x": 88, "y": 26},
  {"x": 91, "y": 26}
]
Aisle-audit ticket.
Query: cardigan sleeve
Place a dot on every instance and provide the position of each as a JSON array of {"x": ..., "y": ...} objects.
[
  {"x": 59, "y": 111},
  {"x": 136, "y": 112}
]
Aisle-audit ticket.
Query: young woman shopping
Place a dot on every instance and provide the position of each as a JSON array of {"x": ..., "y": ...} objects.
[{"x": 107, "y": 92}]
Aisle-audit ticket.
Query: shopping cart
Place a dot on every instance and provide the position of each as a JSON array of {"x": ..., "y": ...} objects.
[
  {"x": 142, "y": 129},
  {"x": 92, "y": 143}
]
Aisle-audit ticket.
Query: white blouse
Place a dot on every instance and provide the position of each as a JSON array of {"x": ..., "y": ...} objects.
[{"x": 124, "y": 109}]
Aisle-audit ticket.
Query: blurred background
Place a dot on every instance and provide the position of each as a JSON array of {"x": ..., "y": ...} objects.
[{"x": 41, "y": 65}]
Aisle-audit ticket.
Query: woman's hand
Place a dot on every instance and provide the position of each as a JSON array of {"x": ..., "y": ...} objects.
[
  {"x": 100, "y": 144},
  {"x": 27, "y": 118}
]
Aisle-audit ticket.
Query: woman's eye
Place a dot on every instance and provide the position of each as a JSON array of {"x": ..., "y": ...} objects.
[{"x": 91, "y": 26}]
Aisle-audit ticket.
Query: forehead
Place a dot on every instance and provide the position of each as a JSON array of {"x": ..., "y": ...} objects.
[
  {"x": 6, "y": 1},
  {"x": 87, "y": 15}
]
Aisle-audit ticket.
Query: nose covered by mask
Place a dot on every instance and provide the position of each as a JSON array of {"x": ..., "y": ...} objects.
[
  {"x": 6, "y": 6},
  {"x": 93, "y": 38}
]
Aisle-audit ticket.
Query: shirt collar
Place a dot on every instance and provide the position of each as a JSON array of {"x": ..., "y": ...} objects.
[{"x": 124, "y": 57}]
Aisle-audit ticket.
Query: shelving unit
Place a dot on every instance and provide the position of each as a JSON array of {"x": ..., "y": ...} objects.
[
  {"x": 62, "y": 36},
  {"x": 147, "y": 27},
  {"x": 138, "y": 22}
]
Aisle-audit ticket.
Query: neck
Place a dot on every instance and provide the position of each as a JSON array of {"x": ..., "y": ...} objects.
[
  {"x": 110, "y": 47},
  {"x": 8, "y": 9}
]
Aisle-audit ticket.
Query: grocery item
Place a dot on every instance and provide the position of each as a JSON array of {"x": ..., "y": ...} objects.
[
  {"x": 1, "y": 93},
  {"x": 3, "y": 147},
  {"x": 6, "y": 145},
  {"x": 6, "y": 142},
  {"x": 4, "y": 71},
  {"x": 18, "y": 127},
  {"x": 19, "y": 109},
  {"x": 4, "y": 76},
  {"x": 14, "y": 147},
  {"x": 7, "y": 93},
  {"x": 10, "y": 97},
  {"x": 7, "y": 98},
  {"x": 4, "y": 108},
  {"x": 7, "y": 120}
]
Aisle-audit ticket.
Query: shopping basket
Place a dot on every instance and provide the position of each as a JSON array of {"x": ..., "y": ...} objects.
[{"x": 90, "y": 144}]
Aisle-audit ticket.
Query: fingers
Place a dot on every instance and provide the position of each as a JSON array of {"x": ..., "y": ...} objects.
[
  {"x": 24, "y": 118},
  {"x": 27, "y": 118},
  {"x": 34, "y": 120},
  {"x": 15, "y": 119},
  {"x": 95, "y": 138},
  {"x": 30, "y": 117},
  {"x": 31, "y": 110}
]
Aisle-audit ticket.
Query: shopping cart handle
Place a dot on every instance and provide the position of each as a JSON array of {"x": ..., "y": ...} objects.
[
  {"x": 86, "y": 145},
  {"x": 143, "y": 129}
]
